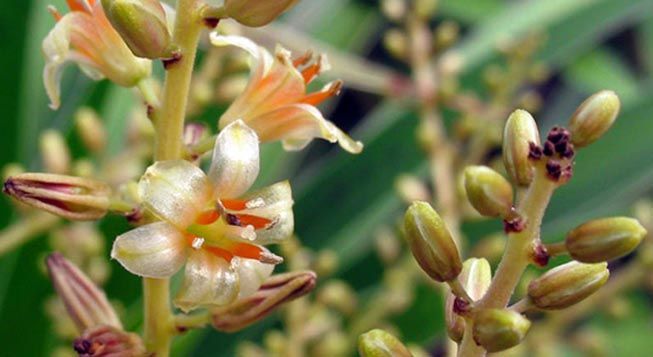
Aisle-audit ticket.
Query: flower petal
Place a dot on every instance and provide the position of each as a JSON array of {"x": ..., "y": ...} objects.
[
  {"x": 176, "y": 191},
  {"x": 208, "y": 280},
  {"x": 275, "y": 204},
  {"x": 56, "y": 47},
  {"x": 235, "y": 163},
  {"x": 252, "y": 274},
  {"x": 156, "y": 250},
  {"x": 261, "y": 60}
]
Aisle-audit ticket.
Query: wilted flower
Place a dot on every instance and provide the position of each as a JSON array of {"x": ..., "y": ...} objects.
[
  {"x": 275, "y": 103},
  {"x": 86, "y": 37},
  {"x": 207, "y": 221}
]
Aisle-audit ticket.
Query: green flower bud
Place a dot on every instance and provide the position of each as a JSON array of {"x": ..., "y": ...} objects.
[
  {"x": 378, "y": 343},
  {"x": 499, "y": 329},
  {"x": 567, "y": 284},
  {"x": 431, "y": 242},
  {"x": 475, "y": 277},
  {"x": 489, "y": 192},
  {"x": 520, "y": 131},
  {"x": 396, "y": 42},
  {"x": 604, "y": 239},
  {"x": 255, "y": 13},
  {"x": 142, "y": 25},
  {"x": 394, "y": 10},
  {"x": 594, "y": 117}
]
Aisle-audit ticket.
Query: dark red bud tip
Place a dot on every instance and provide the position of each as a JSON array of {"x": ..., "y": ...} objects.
[
  {"x": 167, "y": 63},
  {"x": 211, "y": 22},
  {"x": 460, "y": 306},
  {"x": 514, "y": 225},
  {"x": 540, "y": 255},
  {"x": 83, "y": 346},
  {"x": 534, "y": 151}
]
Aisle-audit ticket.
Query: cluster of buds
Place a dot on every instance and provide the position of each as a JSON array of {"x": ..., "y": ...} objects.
[{"x": 477, "y": 301}]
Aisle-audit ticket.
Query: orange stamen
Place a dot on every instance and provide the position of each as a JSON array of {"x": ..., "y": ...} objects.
[
  {"x": 219, "y": 252},
  {"x": 55, "y": 13},
  {"x": 207, "y": 217},
  {"x": 77, "y": 5},
  {"x": 303, "y": 59},
  {"x": 318, "y": 97},
  {"x": 234, "y": 205},
  {"x": 256, "y": 221},
  {"x": 247, "y": 251},
  {"x": 310, "y": 72}
]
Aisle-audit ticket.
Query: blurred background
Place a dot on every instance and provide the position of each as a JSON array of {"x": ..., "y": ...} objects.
[{"x": 342, "y": 200}]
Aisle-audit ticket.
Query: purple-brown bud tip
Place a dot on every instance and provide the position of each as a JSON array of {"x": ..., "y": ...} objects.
[{"x": 106, "y": 341}]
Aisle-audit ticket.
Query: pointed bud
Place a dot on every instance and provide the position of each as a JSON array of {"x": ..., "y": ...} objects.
[
  {"x": 255, "y": 13},
  {"x": 276, "y": 291},
  {"x": 108, "y": 341},
  {"x": 567, "y": 284},
  {"x": 499, "y": 329},
  {"x": 54, "y": 152},
  {"x": 475, "y": 278},
  {"x": 431, "y": 242},
  {"x": 604, "y": 239},
  {"x": 520, "y": 131},
  {"x": 594, "y": 117},
  {"x": 86, "y": 304},
  {"x": 489, "y": 192},
  {"x": 91, "y": 129},
  {"x": 70, "y": 197},
  {"x": 142, "y": 25},
  {"x": 378, "y": 343}
]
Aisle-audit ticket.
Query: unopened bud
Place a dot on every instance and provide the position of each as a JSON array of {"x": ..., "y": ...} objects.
[
  {"x": 431, "y": 242},
  {"x": 70, "y": 197},
  {"x": 520, "y": 131},
  {"x": 90, "y": 129},
  {"x": 335, "y": 343},
  {"x": 594, "y": 117},
  {"x": 86, "y": 304},
  {"x": 388, "y": 246},
  {"x": 567, "y": 284},
  {"x": 378, "y": 343},
  {"x": 338, "y": 295},
  {"x": 276, "y": 291},
  {"x": 475, "y": 277},
  {"x": 394, "y": 10},
  {"x": 446, "y": 34},
  {"x": 54, "y": 152},
  {"x": 499, "y": 329},
  {"x": 425, "y": 8},
  {"x": 256, "y": 13},
  {"x": 326, "y": 262},
  {"x": 108, "y": 341},
  {"x": 410, "y": 188},
  {"x": 489, "y": 192},
  {"x": 142, "y": 25},
  {"x": 395, "y": 42},
  {"x": 604, "y": 239}
]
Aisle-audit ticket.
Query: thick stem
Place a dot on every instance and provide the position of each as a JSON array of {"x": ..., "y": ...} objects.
[
  {"x": 26, "y": 229},
  {"x": 169, "y": 126},
  {"x": 468, "y": 346}
]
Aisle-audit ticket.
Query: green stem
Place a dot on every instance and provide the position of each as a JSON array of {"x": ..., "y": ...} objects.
[
  {"x": 169, "y": 126},
  {"x": 555, "y": 249},
  {"x": 197, "y": 320},
  {"x": 26, "y": 229},
  {"x": 468, "y": 346}
]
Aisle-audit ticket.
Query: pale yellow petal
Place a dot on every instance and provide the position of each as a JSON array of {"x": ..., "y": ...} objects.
[
  {"x": 274, "y": 203},
  {"x": 56, "y": 47},
  {"x": 251, "y": 273}
]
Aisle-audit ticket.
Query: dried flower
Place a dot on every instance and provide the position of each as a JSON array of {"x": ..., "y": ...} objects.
[
  {"x": 108, "y": 341},
  {"x": 207, "y": 220},
  {"x": 499, "y": 329},
  {"x": 604, "y": 239},
  {"x": 378, "y": 343},
  {"x": 255, "y": 13},
  {"x": 475, "y": 277},
  {"x": 275, "y": 291},
  {"x": 70, "y": 197},
  {"x": 275, "y": 103},
  {"x": 431, "y": 243},
  {"x": 594, "y": 117},
  {"x": 86, "y": 304},
  {"x": 86, "y": 37},
  {"x": 488, "y": 192},
  {"x": 519, "y": 134},
  {"x": 567, "y": 284}
]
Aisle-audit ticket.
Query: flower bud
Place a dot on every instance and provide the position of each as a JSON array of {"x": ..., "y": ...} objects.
[
  {"x": 425, "y": 8},
  {"x": 142, "y": 25},
  {"x": 378, "y": 343},
  {"x": 105, "y": 341},
  {"x": 431, "y": 242},
  {"x": 489, "y": 192},
  {"x": 567, "y": 284},
  {"x": 604, "y": 239},
  {"x": 338, "y": 295},
  {"x": 70, "y": 197},
  {"x": 520, "y": 131},
  {"x": 475, "y": 277},
  {"x": 86, "y": 304},
  {"x": 394, "y": 10},
  {"x": 396, "y": 42},
  {"x": 276, "y": 291},
  {"x": 90, "y": 129},
  {"x": 499, "y": 329},
  {"x": 594, "y": 117},
  {"x": 54, "y": 152},
  {"x": 410, "y": 188},
  {"x": 255, "y": 13}
]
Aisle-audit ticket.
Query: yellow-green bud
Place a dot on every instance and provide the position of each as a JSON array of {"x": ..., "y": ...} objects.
[
  {"x": 378, "y": 343},
  {"x": 54, "y": 152},
  {"x": 142, "y": 25},
  {"x": 475, "y": 278},
  {"x": 90, "y": 129},
  {"x": 425, "y": 8},
  {"x": 567, "y": 284},
  {"x": 594, "y": 117},
  {"x": 395, "y": 42},
  {"x": 394, "y": 9},
  {"x": 410, "y": 188},
  {"x": 489, "y": 192},
  {"x": 604, "y": 239},
  {"x": 446, "y": 34},
  {"x": 520, "y": 131},
  {"x": 431, "y": 242},
  {"x": 338, "y": 295},
  {"x": 499, "y": 329},
  {"x": 255, "y": 13}
]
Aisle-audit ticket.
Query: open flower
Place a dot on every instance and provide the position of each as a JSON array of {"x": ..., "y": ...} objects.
[
  {"x": 209, "y": 224},
  {"x": 85, "y": 36},
  {"x": 275, "y": 103}
]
